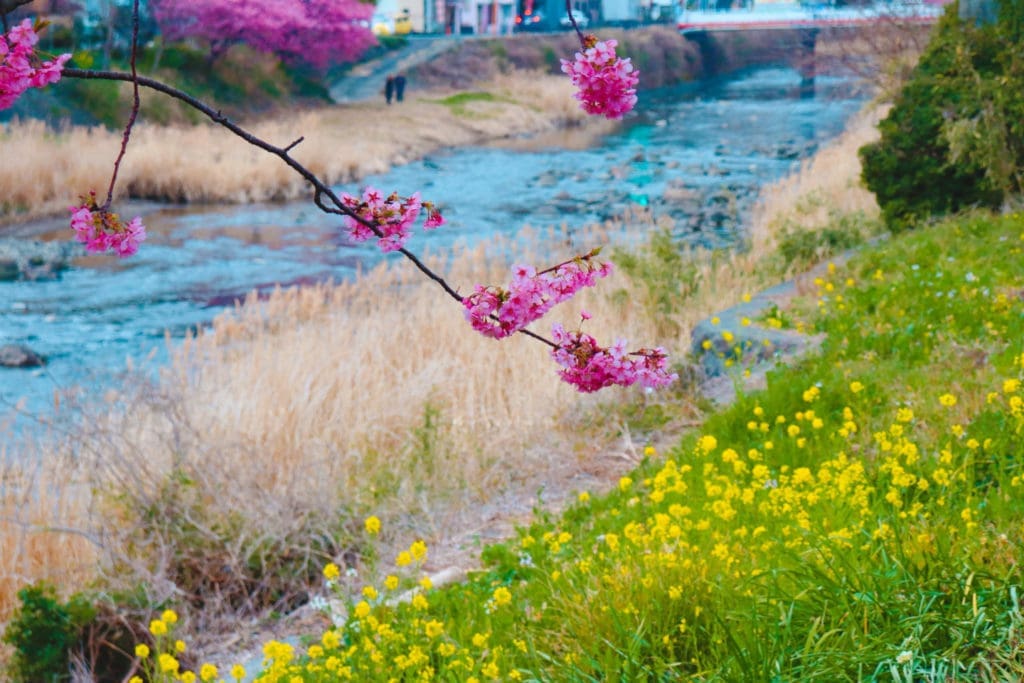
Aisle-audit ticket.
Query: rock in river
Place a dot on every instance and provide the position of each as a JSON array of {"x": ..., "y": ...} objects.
[{"x": 18, "y": 356}]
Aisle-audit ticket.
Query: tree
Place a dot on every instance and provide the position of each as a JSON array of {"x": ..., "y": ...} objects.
[{"x": 314, "y": 32}]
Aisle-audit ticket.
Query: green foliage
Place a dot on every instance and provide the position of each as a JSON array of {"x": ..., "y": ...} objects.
[
  {"x": 43, "y": 632},
  {"x": 393, "y": 42},
  {"x": 859, "y": 519},
  {"x": 800, "y": 248},
  {"x": 955, "y": 135},
  {"x": 669, "y": 275},
  {"x": 460, "y": 103}
]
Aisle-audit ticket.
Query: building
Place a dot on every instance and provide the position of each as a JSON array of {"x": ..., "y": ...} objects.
[{"x": 482, "y": 17}]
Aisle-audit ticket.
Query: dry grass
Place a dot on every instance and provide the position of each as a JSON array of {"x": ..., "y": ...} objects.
[
  {"x": 827, "y": 185},
  {"x": 44, "y": 526},
  {"x": 293, "y": 417},
  {"x": 43, "y": 172}
]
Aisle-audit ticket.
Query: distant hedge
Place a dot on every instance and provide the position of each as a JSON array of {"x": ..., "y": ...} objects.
[{"x": 955, "y": 135}]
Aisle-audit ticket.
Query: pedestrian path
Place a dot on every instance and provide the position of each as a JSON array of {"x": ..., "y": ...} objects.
[{"x": 365, "y": 81}]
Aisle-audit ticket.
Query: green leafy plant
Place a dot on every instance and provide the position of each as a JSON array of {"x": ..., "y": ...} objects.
[
  {"x": 670, "y": 276},
  {"x": 43, "y": 633},
  {"x": 953, "y": 138}
]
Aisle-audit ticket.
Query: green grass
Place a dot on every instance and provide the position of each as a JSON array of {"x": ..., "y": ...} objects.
[
  {"x": 460, "y": 103},
  {"x": 860, "y": 519}
]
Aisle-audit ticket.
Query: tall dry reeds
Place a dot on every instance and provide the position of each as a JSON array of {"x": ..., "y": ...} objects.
[
  {"x": 827, "y": 185},
  {"x": 43, "y": 171}
]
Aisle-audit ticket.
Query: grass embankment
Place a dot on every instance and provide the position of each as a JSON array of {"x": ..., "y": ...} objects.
[
  {"x": 225, "y": 489},
  {"x": 46, "y": 171},
  {"x": 860, "y": 519}
]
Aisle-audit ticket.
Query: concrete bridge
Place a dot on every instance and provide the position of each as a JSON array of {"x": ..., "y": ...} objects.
[
  {"x": 799, "y": 16},
  {"x": 791, "y": 31}
]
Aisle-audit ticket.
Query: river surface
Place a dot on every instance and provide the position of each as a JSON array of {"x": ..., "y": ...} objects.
[{"x": 698, "y": 152}]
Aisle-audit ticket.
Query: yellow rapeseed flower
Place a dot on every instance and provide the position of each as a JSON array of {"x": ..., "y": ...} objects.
[
  {"x": 179, "y": 645},
  {"x": 583, "y": 497},
  {"x": 369, "y": 592},
  {"x": 141, "y": 650},
  {"x": 238, "y": 672},
  {"x": 188, "y": 677},
  {"x": 331, "y": 571},
  {"x": 502, "y": 596},
  {"x": 418, "y": 550},
  {"x": 169, "y": 616},
  {"x": 208, "y": 672},
  {"x": 948, "y": 400},
  {"x": 707, "y": 443},
  {"x": 167, "y": 663},
  {"x": 625, "y": 483},
  {"x": 404, "y": 559},
  {"x": 362, "y": 609},
  {"x": 372, "y": 525},
  {"x": 157, "y": 627},
  {"x": 391, "y": 582},
  {"x": 331, "y": 639}
]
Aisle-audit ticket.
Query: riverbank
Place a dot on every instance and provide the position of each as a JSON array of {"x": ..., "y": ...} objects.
[
  {"x": 205, "y": 164},
  {"x": 266, "y": 439}
]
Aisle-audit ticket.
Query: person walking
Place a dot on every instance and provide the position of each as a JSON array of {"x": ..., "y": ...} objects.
[
  {"x": 389, "y": 89},
  {"x": 400, "y": 87}
]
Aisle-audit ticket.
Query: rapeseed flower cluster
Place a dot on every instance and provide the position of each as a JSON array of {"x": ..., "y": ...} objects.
[{"x": 861, "y": 516}]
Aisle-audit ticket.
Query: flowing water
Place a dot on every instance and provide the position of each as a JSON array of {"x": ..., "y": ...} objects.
[{"x": 697, "y": 152}]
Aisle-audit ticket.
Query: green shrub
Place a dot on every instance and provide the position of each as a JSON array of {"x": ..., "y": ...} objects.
[
  {"x": 800, "y": 248},
  {"x": 43, "y": 632},
  {"x": 669, "y": 274},
  {"x": 912, "y": 169}
]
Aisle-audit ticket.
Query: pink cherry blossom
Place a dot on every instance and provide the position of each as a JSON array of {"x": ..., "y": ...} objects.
[
  {"x": 17, "y": 72},
  {"x": 497, "y": 312},
  {"x": 392, "y": 216},
  {"x": 607, "y": 84},
  {"x": 101, "y": 230},
  {"x": 589, "y": 367},
  {"x": 315, "y": 32}
]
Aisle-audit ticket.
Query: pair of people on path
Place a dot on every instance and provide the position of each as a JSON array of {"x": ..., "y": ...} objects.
[{"x": 394, "y": 86}]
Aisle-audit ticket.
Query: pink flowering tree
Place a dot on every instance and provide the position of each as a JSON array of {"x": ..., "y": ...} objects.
[
  {"x": 606, "y": 86},
  {"x": 314, "y": 32}
]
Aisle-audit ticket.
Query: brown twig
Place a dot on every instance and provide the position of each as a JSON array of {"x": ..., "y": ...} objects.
[
  {"x": 136, "y": 103},
  {"x": 572, "y": 20},
  {"x": 320, "y": 188}
]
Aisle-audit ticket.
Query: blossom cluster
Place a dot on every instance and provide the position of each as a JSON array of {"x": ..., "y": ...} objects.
[
  {"x": 607, "y": 83},
  {"x": 101, "y": 230},
  {"x": 589, "y": 367},
  {"x": 498, "y": 313},
  {"x": 391, "y": 217},
  {"x": 19, "y": 68}
]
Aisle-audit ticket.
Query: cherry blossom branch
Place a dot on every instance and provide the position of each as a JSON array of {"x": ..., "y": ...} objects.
[
  {"x": 576, "y": 259},
  {"x": 136, "y": 103},
  {"x": 572, "y": 20},
  {"x": 320, "y": 189},
  {"x": 606, "y": 86}
]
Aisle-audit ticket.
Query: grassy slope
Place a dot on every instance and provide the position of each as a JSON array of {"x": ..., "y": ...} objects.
[{"x": 858, "y": 519}]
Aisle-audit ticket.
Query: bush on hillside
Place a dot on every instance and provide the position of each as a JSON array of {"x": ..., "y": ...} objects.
[{"x": 955, "y": 135}]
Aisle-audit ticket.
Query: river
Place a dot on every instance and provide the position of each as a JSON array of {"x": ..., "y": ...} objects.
[{"x": 698, "y": 152}]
